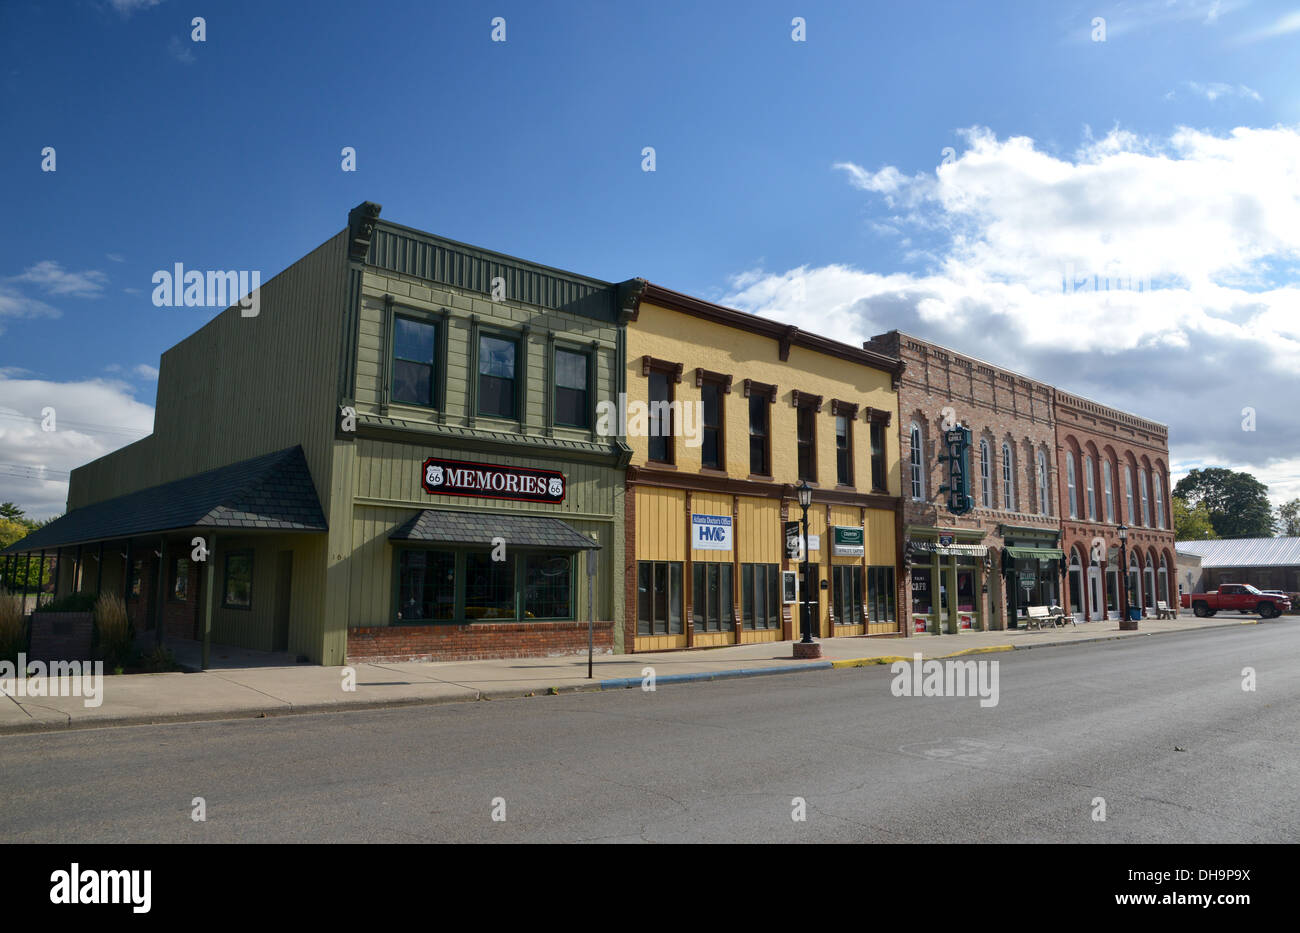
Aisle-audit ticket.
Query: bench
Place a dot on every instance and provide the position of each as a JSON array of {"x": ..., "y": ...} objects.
[
  {"x": 1037, "y": 615},
  {"x": 1164, "y": 612}
]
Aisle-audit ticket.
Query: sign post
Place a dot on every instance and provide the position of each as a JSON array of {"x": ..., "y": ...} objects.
[
  {"x": 958, "y": 460},
  {"x": 591, "y": 605}
]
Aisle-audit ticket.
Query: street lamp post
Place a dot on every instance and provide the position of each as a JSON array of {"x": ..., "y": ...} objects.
[
  {"x": 1123, "y": 565},
  {"x": 805, "y": 499}
]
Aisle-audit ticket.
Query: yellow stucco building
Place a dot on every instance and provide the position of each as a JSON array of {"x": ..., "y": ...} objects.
[{"x": 726, "y": 414}]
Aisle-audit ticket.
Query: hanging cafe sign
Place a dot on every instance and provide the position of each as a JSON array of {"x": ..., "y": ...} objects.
[{"x": 491, "y": 481}]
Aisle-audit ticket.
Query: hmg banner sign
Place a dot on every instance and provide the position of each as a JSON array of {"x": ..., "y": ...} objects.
[{"x": 711, "y": 532}]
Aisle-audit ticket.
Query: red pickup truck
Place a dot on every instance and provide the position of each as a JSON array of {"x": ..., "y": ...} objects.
[{"x": 1241, "y": 597}]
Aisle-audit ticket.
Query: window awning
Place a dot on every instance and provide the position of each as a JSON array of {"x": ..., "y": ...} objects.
[
  {"x": 960, "y": 550},
  {"x": 1035, "y": 553},
  {"x": 442, "y": 526}
]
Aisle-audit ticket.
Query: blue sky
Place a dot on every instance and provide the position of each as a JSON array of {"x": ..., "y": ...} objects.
[{"x": 795, "y": 179}]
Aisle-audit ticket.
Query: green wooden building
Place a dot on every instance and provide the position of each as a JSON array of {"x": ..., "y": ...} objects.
[{"x": 396, "y": 457}]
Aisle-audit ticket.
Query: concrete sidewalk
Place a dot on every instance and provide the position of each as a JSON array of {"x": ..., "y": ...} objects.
[{"x": 250, "y": 684}]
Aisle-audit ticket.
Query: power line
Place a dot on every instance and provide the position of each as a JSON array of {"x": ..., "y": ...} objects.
[{"x": 119, "y": 429}]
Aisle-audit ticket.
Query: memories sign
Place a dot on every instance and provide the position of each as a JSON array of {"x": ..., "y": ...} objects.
[{"x": 491, "y": 481}]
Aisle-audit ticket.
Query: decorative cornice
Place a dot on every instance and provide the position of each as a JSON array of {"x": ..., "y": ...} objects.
[
  {"x": 648, "y": 363},
  {"x": 786, "y": 335},
  {"x": 805, "y": 400},
  {"x": 847, "y": 409},
  {"x": 702, "y": 374},
  {"x": 361, "y": 226},
  {"x": 754, "y": 387}
]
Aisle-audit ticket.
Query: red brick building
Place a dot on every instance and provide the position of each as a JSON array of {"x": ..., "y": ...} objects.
[
  {"x": 981, "y": 570},
  {"x": 1115, "y": 469}
]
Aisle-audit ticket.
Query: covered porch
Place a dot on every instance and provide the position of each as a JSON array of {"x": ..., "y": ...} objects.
[{"x": 230, "y": 557}]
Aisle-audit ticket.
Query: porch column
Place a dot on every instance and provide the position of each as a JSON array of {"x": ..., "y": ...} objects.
[
  {"x": 99, "y": 574},
  {"x": 209, "y": 590},
  {"x": 58, "y": 569},
  {"x": 76, "y": 572},
  {"x": 40, "y": 579},
  {"x": 161, "y": 590},
  {"x": 27, "y": 572}
]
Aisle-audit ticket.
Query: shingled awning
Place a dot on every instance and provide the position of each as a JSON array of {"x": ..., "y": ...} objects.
[
  {"x": 532, "y": 531},
  {"x": 273, "y": 492}
]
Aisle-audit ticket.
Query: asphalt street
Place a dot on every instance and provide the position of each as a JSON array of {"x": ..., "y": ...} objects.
[{"x": 1159, "y": 727}]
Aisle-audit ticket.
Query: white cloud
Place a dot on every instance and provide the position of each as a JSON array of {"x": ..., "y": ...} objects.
[
  {"x": 145, "y": 371},
  {"x": 14, "y": 304},
  {"x": 181, "y": 51},
  {"x": 1211, "y": 221},
  {"x": 51, "y": 276},
  {"x": 1217, "y": 89},
  {"x": 91, "y": 417},
  {"x": 127, "y": 7},
  {"x": 1283, "y": 25},
  {"x": 115, "y": 257}
]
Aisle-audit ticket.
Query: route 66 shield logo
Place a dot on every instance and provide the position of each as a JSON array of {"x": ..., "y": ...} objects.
[
  {"x": 433, "y": 475},
  {"x": 555, "y": 487}
]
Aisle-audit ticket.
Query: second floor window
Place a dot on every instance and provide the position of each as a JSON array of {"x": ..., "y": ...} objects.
[
  {"x": 986, "y": 476},
  {"x": 571, "y": 389},
  {"x": 878, "y": 480},
  {"x": 661, "y": 416},
  {"x": 806, "y": 433},
  {"x": 1158, "y": 479},
  {"x": 711, "y": 453},
  {"x": 760, "y": 461},
  {"x": 1042, "y": 484},
  {"x": 1008, "y": 480},
  {"x": 1108, "y": 490},
  {"x": 917, "y": 461},
  {"x": 1069, "y": 482},
  {"x": 413, "y": 361},
  {"x": 1128, "y": 493},
  {"x": 497, "y": 385},
  {"x": 1146, "y": 504},
  {"x": 843, "y": 450},
  {"x": 1089, "y": 494}
]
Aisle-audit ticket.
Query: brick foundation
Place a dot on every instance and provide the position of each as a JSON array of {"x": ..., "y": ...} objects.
[
  {"x": 476, "y": 642},
  {"x": 61, "y": 636}
]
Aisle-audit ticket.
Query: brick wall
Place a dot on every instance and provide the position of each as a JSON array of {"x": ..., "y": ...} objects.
[
  {"x": 476, "y": 642},
  {"x": 61, "y": 636},
  {"x": 999, "y": 406}
]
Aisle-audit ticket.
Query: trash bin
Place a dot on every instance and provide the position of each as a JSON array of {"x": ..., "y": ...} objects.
[{"x": 1134, "y": 613}]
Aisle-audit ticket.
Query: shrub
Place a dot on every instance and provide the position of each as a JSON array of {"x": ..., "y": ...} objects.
[
  {"x": 73, "y": 602},
  {"x": 157, "y": 660},
  {"x": 13, "y": 632},
  {"x": 113, "y": 630}
]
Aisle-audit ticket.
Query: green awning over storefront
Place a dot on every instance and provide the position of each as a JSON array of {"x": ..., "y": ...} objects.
[{"x": 1035, "y": 553}]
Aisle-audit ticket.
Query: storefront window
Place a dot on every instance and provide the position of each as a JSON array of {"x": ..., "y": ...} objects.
[
  {"x": 847, "y": 585},
  {"x": 237, "y": 587},
  {"x": 760, "y": 598},
  {"x": 548, "y": 587},
  {"x": 659, "y": 598},
  {"x": 711, "y": 597},
  {"x": 426, "y": 585},
  {"x": 180, "y": 579},
  {"x": 965, "y": 588},
  {"x": 880, "y": 594},
  {"x": 921, "y": 597},
  {"x": 489, "y": 587}
]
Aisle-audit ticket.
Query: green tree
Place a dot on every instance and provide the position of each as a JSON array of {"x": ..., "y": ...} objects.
[
  {"x": 9, "y": 510},
  {"x": 1237, "y": 502},
  {"x": 12, "y": 530},
  {"x": 1192, "y": 523},
  {"x": 1288, "y": 518}
]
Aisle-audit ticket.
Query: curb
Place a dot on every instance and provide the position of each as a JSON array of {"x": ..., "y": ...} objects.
[{"x": 620, "y": 683}]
